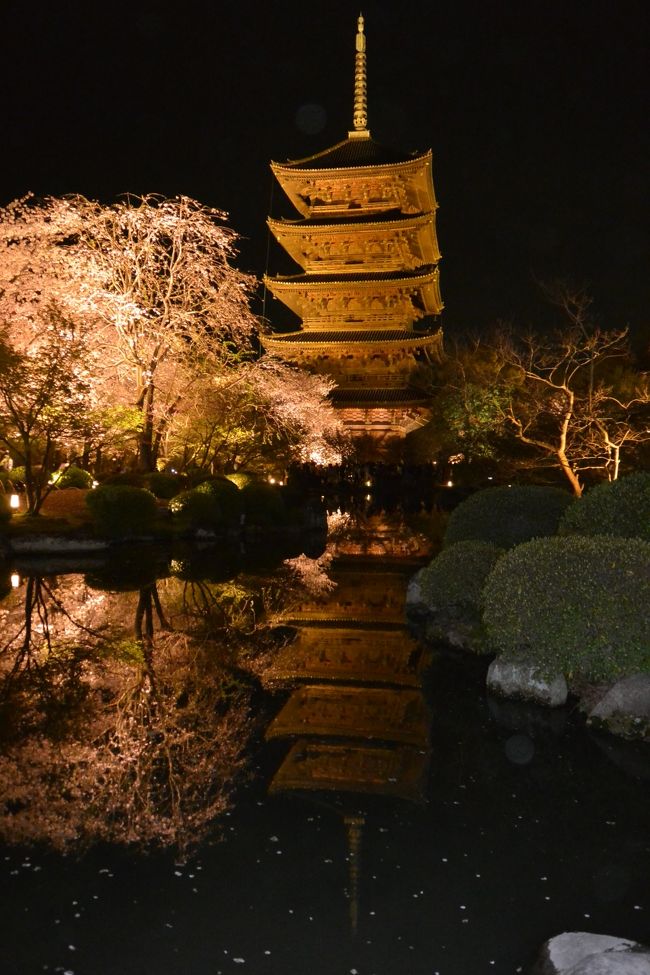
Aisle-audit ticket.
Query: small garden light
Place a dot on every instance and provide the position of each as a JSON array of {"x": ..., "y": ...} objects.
[
  {"x": 14, "y": 501},
  {"x": 15, "y": 580}
]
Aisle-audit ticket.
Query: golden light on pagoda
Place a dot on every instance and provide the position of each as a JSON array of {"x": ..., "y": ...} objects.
[{"x": 366, "y": 248}]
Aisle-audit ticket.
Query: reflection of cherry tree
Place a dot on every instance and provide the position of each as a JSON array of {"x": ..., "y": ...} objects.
[
  {"x": 311, "y": 575},
  {"x": 150, "y": 752},
  {"x": 125, "y": 717}
]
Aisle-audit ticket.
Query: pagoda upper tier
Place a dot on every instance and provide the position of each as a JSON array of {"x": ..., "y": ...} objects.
[
  {"x": 390, "y": 241},
  {"x": 373, "y": 299},
  {"x": 356, "y": 175}
]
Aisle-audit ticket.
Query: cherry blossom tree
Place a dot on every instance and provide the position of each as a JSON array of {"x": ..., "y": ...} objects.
[
  {"x": 152, "y": 280},
  {"x": 44, "y": 399},
  {"x": 265, "y": 412}
]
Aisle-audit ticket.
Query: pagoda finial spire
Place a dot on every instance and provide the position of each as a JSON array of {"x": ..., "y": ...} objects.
[{"x": 360, "y": 117}]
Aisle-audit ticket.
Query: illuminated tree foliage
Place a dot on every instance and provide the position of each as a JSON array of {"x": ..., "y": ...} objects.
[
  {"x": 264, "y": 414},
  {"x": 44, "y": 391},
  {"x": 150, "y": 286}
]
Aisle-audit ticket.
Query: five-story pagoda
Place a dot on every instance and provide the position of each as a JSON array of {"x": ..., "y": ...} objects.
[{"x": 368, "y": 297}]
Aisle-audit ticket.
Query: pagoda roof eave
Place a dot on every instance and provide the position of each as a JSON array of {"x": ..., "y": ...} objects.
[
  {"x": 290, "y": 281},
  {"x": 368, "y": 397},
  {"x": 301, "y": 167},
  {"x": 344, "y": 226},
  {"x": 305, "y": 341}
]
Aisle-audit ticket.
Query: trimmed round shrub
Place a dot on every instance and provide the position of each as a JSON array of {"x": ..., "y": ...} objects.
[
  {"x": 264, "y": 505},
  {"x": 508, "y": 516},
  {"x": 454, "y": 580},
  {"x": 5, "y": 509},
  {"x": 227, "y": 494},
  {"x": 196, "y": 509},
  {"x": 73, "y": 477},
  {"x": 165, "y": 486},
  {"x": 121, "y": 510},
  {"x": 241, "y": 479},
  {"x": 620, "y": 508},
  {"x": 572, "y": 605},
  {"x": 451, "y": 587}
]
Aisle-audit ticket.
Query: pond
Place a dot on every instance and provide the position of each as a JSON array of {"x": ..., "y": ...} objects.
[{"x": 220, "y": 762}]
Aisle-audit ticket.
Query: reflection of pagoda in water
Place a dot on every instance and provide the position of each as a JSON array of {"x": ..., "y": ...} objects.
[
  {"x": 357, "y": 719},
  {"x": 368, "y": 298}
]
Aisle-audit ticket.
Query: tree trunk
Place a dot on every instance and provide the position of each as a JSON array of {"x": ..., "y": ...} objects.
[
  {"x": 570, "y": 474},
  {"x": 145, "y": 444}
]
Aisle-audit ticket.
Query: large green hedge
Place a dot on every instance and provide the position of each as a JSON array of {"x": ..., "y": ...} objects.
[
  {"x": 121, "y": 510},
  {"x": 507, "y": 516},
  {"x": 575, "y": 605},
  {"x": 619, "y": 508}
]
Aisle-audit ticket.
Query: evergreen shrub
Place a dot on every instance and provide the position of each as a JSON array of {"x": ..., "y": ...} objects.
[
  {"x": 572, "y": 605},
  {"x": 240, "y": 479},
  {"x": 196, "y": 509},
  {"x": 73, "y": 477},
  {"x": 508, "y": 516},
  {"x": 264, "y": 505},
  {"x": 453, "y": 582},
  {"x": 121, "y": 510},
  {"x": 227, "y": 494},
  {"x": 164, "y": 485},
  {"x": 620, "y": 508},
  {"x": 451, "y": 587}
]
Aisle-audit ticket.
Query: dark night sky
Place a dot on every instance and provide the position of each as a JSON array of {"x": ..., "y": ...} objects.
[{"x": 537, "y": 114}]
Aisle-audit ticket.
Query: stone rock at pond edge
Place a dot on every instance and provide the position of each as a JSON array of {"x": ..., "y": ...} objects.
[
  {"x": 414, "y": 599},
  {"x": 54, "y": 544},
  {"x": 581, "y": 953},
  {"x": 522, "y": 681},
  {"x": 625, "y": 708}
]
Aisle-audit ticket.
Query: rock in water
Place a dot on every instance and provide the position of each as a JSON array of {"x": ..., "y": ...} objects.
[
  {"x": 581, "y": 953},
  {"x": 523, "y": 681},
  {"x": 625, "y": 708}
]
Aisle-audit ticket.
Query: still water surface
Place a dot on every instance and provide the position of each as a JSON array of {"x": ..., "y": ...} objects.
[{"x": 318, "y": 793}]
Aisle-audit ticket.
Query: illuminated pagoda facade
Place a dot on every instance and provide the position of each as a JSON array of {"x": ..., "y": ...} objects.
[{"x": 367, "y": 296}]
